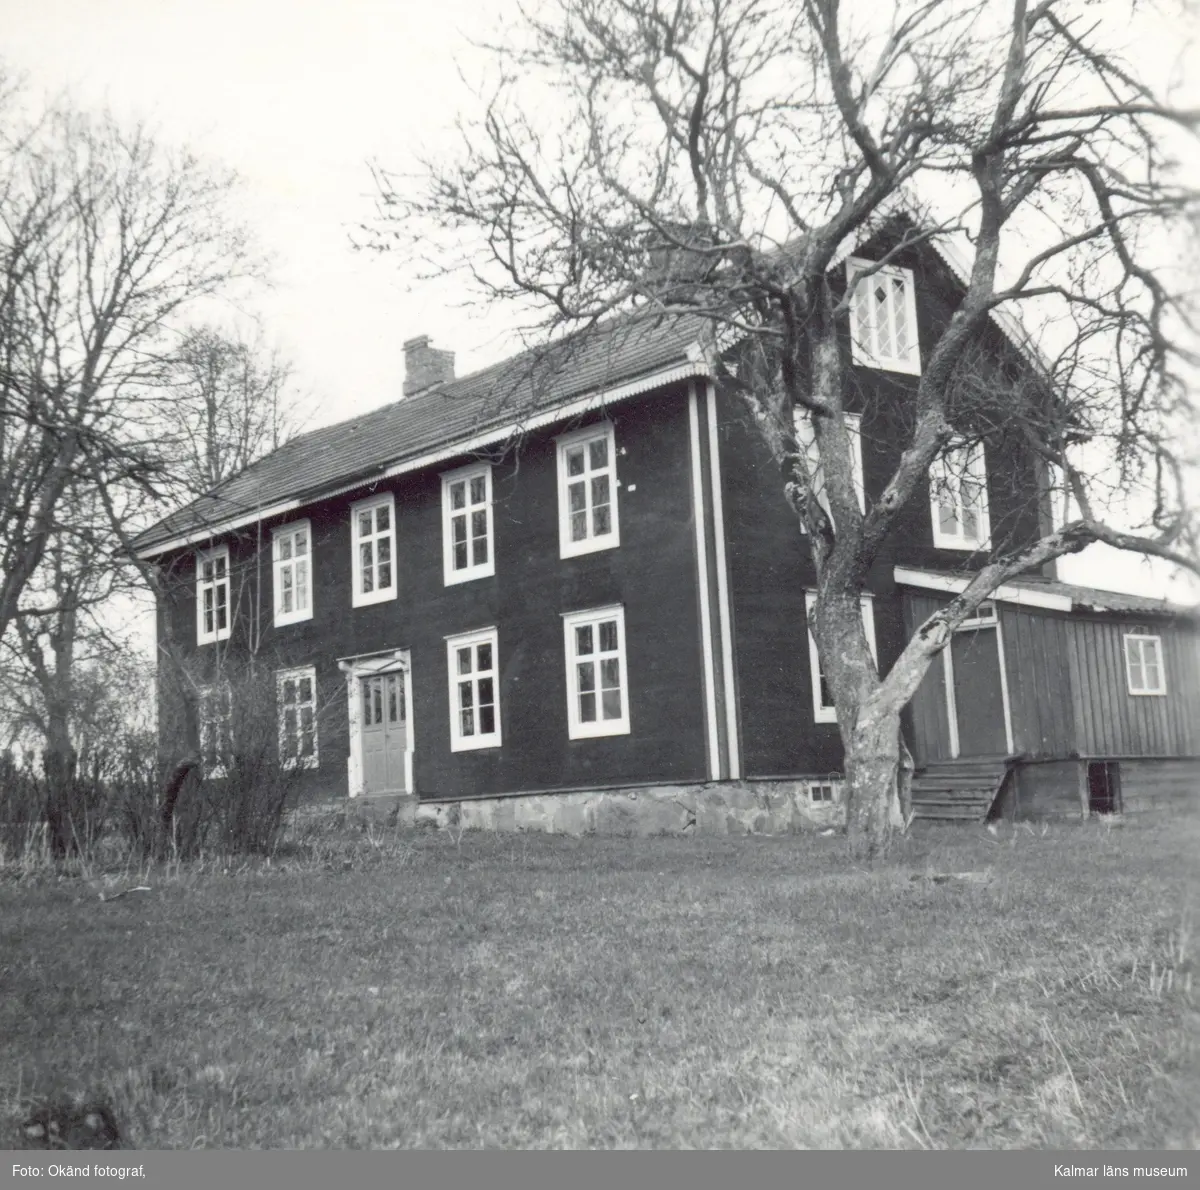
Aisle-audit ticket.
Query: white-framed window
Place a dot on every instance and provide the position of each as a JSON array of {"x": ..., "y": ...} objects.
[
  {"x": 215, "y": 707},
  {"x": 468, "y": 548},
  {"x": 587, "y": 491},
  {"x": 1144, "y": 672},
  {"x": 597, "y": 678},
  {"x": 373, "y": 561},
  {"x": 824, "y": 710},
  {"x": 296, "y": 698},
  {"x": 291, "y": 553},
  {"x": 883, "y": 317},
  {"x": 824, "y": 793},
  {"x": 212, "y": 595},
  {"x": 806, "y": 437},
  {"x": 474, "y": 690},
  {"x": 958, "y": 498}
]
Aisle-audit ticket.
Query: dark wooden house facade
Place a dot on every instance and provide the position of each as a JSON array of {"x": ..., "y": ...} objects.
[{"x": 576, "y": 571}]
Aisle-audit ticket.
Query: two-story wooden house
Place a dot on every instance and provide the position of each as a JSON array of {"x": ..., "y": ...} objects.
[{"x": 570, "y": 583}]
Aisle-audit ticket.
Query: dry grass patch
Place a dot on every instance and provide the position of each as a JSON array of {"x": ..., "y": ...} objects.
[{"x": 406, "y": 990}]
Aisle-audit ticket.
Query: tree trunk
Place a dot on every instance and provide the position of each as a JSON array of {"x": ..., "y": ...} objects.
[{"x": 872, "y": 771}]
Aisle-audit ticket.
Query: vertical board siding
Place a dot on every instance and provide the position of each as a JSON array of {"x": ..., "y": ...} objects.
[
  {"x": 930, "y": 722},
  {"x": 1112, "y": 722},
  {"x": 1067, "y": 687},
  {"x": 1040, "y": 682}
]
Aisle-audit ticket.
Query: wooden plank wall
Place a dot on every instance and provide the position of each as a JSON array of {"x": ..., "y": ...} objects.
[
  {"x": 930, "y": 726},
  {"x": 1158, "y": 786},
  {"x": 1109, "y": 721},
  {"x": 1040, "y": 680},
  {"x": 1067, "y": 687},
  {"x": 1050, "y": 791}
]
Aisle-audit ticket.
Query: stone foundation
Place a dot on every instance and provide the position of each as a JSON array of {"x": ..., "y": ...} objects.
[{"x": 725, "y": 808}]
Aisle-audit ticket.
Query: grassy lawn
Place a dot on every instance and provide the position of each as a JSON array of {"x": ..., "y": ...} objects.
[{"x": 531, "y": 991}]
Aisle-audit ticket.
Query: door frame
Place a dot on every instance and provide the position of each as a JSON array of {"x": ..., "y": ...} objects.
[
  {"x": 974, "y": 625},
  {"x": 369, "y": 665}
]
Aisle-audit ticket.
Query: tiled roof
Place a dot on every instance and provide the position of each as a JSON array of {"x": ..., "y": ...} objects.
[{"x": 334, "y": 458}]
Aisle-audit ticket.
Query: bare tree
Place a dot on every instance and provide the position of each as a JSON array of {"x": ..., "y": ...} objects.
[
  {"x": 225, "y": 403},
  {"x": 107, "y": 239},
  {"x": 715, "y": 158}
]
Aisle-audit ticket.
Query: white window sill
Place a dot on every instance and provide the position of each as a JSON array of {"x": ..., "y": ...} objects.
[
  {"x": 590, "y": 731},
  {"x": 475, "y": 743},
  {"x": 453, "y": 577},
  {"x": 282, "y": 619},
  {"x": 367, "y": 599},
  {"x": 592, "y": 545}
]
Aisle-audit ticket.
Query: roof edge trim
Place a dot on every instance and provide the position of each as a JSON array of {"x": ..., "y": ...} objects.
[
  {"x": 575, "y": 408},
  {"x": 908, "y": 577}
]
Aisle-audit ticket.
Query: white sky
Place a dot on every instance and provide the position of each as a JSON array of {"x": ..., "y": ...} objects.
[{"x": 297, "y": 95}]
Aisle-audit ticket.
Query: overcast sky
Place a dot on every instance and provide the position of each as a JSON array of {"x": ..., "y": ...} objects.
[{"x": 297, "y": 96}]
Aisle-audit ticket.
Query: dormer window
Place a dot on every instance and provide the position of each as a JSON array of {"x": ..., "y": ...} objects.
[{"x": 883, "y": 317}]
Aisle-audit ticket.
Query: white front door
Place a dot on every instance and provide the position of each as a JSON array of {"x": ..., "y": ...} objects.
[{"x": 384, "y": 727}]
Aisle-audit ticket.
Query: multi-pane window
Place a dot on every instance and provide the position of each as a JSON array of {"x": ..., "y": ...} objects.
[
  {"x": 291, "y": 548},
  {"x": 474, "y": 691},
  {"x": 215, "y": 706},
  {"x": 824, "y": 792},
  {"x": 212, "y": 595},
  {"x": 1144, "y": 671},
  {"x": 374, "y": 544},
  {"x": 587, "y": 491},
  {"x": 958, "y": 498},
  {"x": 297, "y": 701},
  {"x": 597, "y": 685},
  {"x": 468, "y": 549},
  {"x": 883, "y": 317},
  {"x": 824, "y": 709},
  {"x": 807, "y": 439}
]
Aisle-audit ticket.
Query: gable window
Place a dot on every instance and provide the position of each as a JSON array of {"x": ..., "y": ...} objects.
[
  {"x": 1144, "y": 673},
  {"x": 296, "y": 692},
  {"x": 587, "y": 491},
  {"x": 597, "y": 688},
  {"x": 374, "y": 543},
  {"x": 807, "y": 440},
  {"x": 958, "y": 498},
  {"x": 291, "y": 551},
  {"x": 883, "y": 317},
  {"x": 467, "y": 545},
  {"x": 215, "y": 706},
  {"x": 474, "y": 692},
  {"x": 212, "y": 595},
  {"x": 824, "y": 710}
]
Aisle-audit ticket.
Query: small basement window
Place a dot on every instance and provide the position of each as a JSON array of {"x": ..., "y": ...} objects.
[
  {"x": 824, "y": 792},
  {"x": 1104, "y": 787}
]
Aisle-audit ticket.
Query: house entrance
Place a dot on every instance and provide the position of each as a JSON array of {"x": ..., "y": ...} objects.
[
  {"x": 384, "y": 733},
  {"x": 979, "y": 709},
  {"x": 379, "y": 701}
]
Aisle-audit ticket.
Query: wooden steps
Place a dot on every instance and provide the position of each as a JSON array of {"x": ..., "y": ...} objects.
[{"x": 958, "y": 790}]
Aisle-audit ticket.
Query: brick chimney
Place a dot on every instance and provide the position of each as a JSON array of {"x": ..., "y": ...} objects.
[{"x": 425, "y": 366}]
